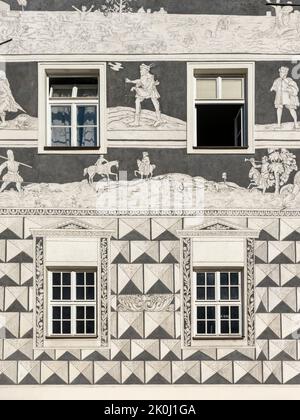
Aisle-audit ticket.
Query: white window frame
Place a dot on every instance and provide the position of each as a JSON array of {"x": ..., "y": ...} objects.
[
  {"x": 48, "y": 70},
  {"x": 73, "y": 303},
  {"x": 217, "y": 303},
  {"x": 219, "y": 70}
]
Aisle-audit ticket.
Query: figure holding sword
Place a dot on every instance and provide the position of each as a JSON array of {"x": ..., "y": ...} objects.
[{"x": 12, "y": 176}]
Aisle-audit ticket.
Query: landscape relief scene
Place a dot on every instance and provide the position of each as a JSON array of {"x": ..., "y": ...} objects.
[{"x": 274, "y": 183}]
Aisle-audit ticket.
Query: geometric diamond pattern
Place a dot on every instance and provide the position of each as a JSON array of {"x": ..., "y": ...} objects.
[
  {"x": 291, "y": 373},
  {"x": 54, "y": 373},
  {"x": 282, "y": 252},
  {"x": 29, "y": 373},
  {"x": 219, "y": 373},
  {"x": 9, "y": 274},
  {"x": 130, "y": 325},
  {"x": 18, "y": 349},
  {"x": 268, "y": 326},
  {"x": 170, "y": 350},
  {"x": 247, "y": 373},
  {"x": 107, "y": 373},
  {"x": 19, "y": 251},
  {"x": 80, "y": 373},
  {"x": 169, "y": 252},
  {"x": 16, "y": 299},
  {"x": 269, "y": 228},
  {"x": 9, "y": 325},
  {"x": 158, "y": 373},
  {"x": 282, "y": 300},
  {"x": 272, "y": 373},
  {"x": 283, "y": 350},
  {"x": 133, "y": 373},
  {"x": 120, "y": 350},
  {"x": 261, "y": 252},
  {"x": 261, "y": 301},
  {"x": 145, "y": 350},
  {"x": 144, "y": 252},
  {"x": 165, "y": 229},
  {"x": 186, "y": 372},
  {"x": 243, "y": 354},
  {"x": 290, "y": 275},
  {"x": 11, "y": 228},
  {"x": 159, "y": 325},
  {"x": 8, "y": 373},
  {"x": 267, "y": 275},
  {"x": 134, "y": 229},
  {"x": 159, "y": 278},
  {"x": 290, "y": 230},
  {"x": 130, "y": 279},
  {"x": 290, "y": 326},
  {"x": 26, "y": 274},
  {"x": 120, "y": 252}
]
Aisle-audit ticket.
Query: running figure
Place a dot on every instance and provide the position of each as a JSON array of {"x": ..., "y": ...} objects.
[
  {"x": 12, "y": 176},
  {"x": 145, "y": 88}
]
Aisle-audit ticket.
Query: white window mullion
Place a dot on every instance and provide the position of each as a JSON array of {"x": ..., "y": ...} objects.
[
  {"x": 219, "y": 84},
  {"x": 74, "y": 125}
]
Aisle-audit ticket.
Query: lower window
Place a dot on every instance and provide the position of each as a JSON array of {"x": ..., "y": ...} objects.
[
  {"x": 218, "y": 304},
  {"x": 72, "y": 303}
]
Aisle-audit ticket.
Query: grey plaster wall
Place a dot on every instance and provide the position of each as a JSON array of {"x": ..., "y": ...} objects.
[{"x": 230, "y": 7}]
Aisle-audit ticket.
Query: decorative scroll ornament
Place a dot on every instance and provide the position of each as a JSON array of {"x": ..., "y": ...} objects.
[
  {"x": 251, "y": 291},
  {"x": 104, "y": 242},
  {"x": 187, "y": 293},
  {"x": 39, "y": 291},
  {"x": 149, "y": 303}
]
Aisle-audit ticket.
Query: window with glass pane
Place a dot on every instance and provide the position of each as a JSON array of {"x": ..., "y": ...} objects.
[
  {"x": 218, "y": 303},
  {"x": 220, "y": 99},
  {"x": 74, "y": 108},
  {"x": 72, "y": 303}
]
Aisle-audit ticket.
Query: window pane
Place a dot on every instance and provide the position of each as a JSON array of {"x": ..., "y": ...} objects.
[
  {"x": 90, "y": 327},
  {"x": 234, "y": 279},
  {"x": 201, "y": 313},
  {"x": 66, "y": 313},
  {"x": 211, "y": 295},
  {"x": 56, "y": 278},
  {"x": 201, "y": 279},
  {"x": 235, "y": 327},
  {"x": 200, "y": 293},
  {"x": 61, "y": 91},
  {"x": 56, "y": 312},
  {"x": 224, "y": 293},
  {"x": 211, "y": 312},
  {"x": 66, "y": 327},
  {"x": 211, "y": 327},
  {"x": 56, "y": 327},
  {"x": 90, "y": 279},
  {"x": 80, "y": 312},
  {"x": 207, "y": 89},
  {"x": 87, "y": 137},
  {"x": 86, "y": 115},
  {"x": 67, "y": 279},
  {"x": 80, "y": 279},
  {"x": 211, "y": 279},
  {"x": 224, "y": 279},
  {"x": 61, "y": 115},
  {"x": 235, "y": 313},
  {"x": 61, "y": 137},
  {"x": 201, "y": 328},
  {"x": 80, "y": 327},
  {"x": 66, "y": 293},
  {"x": 56, "y": 293},
  {"x": 234, "y": 293},
  {"x": 232, "y": 89},
  {"x": 90, "y": 312},
  {"x": 87, "y": 91},
  {"x": 90, "y": 293},
  {"x": 224, "y": 312},
  {"x": 80, "y": 293},
  {"x": 224, "y": 327}
]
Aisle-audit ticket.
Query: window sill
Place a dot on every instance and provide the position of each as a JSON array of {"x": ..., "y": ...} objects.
[
  {"x": 72, "y": 150},
  {"x": 72, "y": 343},
  {"x": 220, "y": 151}
]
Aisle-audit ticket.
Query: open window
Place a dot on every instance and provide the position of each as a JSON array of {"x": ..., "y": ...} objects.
[
  {"x": 73, "y": 107},
  {"x": 220, "y": 108}
]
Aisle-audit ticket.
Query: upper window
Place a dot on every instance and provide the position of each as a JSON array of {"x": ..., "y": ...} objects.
[
  {"x": 73, "y": 112},
  {"x": 220, "y": 108},
  {"x": 72, "y": 108},
  {"x": 218, "y": 302}
]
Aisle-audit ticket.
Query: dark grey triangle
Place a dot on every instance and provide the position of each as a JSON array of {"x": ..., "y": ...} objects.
[
  {"x": 54, "y": 380},
  {"x": 217, "y": 380},
  {"x": 259, "y": 261},
  {"x": 265, "y": 236},
  {"x": 16, "y": 307},
  {"x": 29, "y": 380},
  {"x": 18, "y": 355},
  {"x": 145, "y": 259},
  {"x": 248, "y": 380},
  {"x": 158, "y": 380},
  {"x": 4, "y": 380},
  {"x": 186, "y": 380},
  {"x": 81, "y": 380},
  {"x": 21, "y": 258},
  {"x": 133, "y": 380},
  {"x": 95, "y": 357},
  {"x": 295, "y": 282},
  {"x": 134, "y": 236},
  {"x": 262, "y": 357},
  {"x": 282, "y": 308},
  {"x": 28, "y": 283},
  {"x": 294, "y": 381},
  {"x": 236, "y": 356},
  {"x": 170, "y": 357},
  {"x": 44, "y": 357},
  {"x": 268, "y": 334},
  {"x": 107, "y": 380},
  {"x": 131, "y": 333},
  {"x": 294, "y": 236},
  {"x": 130, "y": 289},
  {"x": 199, "y": 356},
  {"x": 272, "y": 380},
  {"x": 145, "y": 356},
  {"x": 9, "y": 234},
  {"x": 4, "y": 332},
  {"x": 7, "y": 281},
  {"x": 267, "y": 282},
  {"x": 67, "y": 356},
  {"x": 282, "y": 259},
  {"x": 29, "y": 334},
  {"x": 283, "y": 356},
  {"x": 261, "y": 309},
  {"x": 159, "y": 288},
  {"x": 121, "y": 357},
  {"x": 120, "y": 259},
  {"x": 170, "y": 259},
  {"x": 159, "y": 333},
  {"x": 167, "y": 236}
]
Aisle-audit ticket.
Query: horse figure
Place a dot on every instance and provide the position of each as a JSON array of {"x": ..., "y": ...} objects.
[
  {"x": 145, "y": 170},
  {"x": 104, "y": 170}
]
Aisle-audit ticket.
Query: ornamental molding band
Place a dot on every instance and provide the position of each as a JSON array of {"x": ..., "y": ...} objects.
[
  {"x": 39, "y": 293},
  {"x": 187, "y": 290},
  {"x": 72, "y": 228},
  {"x": 218, "y": 228},
  {"x": 149, "y": 303},
  {"x": 159, "y": 33}
]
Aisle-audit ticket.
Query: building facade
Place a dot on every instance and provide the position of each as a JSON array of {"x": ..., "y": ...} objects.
[{"x": 150, "y": 194}]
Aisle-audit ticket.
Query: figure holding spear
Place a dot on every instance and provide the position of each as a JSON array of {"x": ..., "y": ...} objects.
[{"x": 12, "y": 176}]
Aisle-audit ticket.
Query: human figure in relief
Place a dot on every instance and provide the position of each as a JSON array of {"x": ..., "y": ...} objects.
[
  {"x": 287, "y": 92},
  {"x": 146, "y": 88},
  {"x": 7, "y": 101},
  {"x": 12, "y": 176}
]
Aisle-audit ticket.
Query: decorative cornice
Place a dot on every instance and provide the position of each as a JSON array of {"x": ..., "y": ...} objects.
[
  {"x": 149, "y": 303},
  {"x": 218, "y": 228}
]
